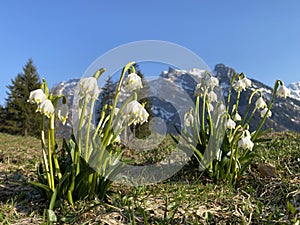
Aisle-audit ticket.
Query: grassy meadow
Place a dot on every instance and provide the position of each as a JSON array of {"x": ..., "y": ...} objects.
[{"x": 269, "y": 192}]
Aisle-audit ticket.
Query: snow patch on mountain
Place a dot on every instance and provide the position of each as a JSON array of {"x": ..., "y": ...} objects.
[{"x": 295, "y": 90}]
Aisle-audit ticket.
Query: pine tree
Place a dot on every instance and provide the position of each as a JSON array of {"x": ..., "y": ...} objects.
[
  {"x": 2, "y": 119},
  {"x": 21, "y": 116},
  {"x": 106, "y": 96}
]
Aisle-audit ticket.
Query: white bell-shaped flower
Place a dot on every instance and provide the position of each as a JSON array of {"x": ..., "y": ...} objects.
[
  {"x": 199, "y": 90},
  {"x": 260, "y": 103},
  {"x": 283, "y": 92},
  {"x": 212, "y": 96},
  {"x": 46, "y": 108},
  {"x": 239, "y": 86},
  {"x": 237, "y": 117},
  {"x": 188, "y": 119},
  {"x": 245, "y": 142},
  {"x": 133, "y": 82},
  {"x": 247, "y": 82},
  {"x": 89, "y": 87},
  {"x": 135, "y": 113},
  {"x": 230, "y": 124},
  {"x": 212, "y": 82},
  {"x": 37, "y": 96},
  {"x": 264, "y": 111},
  {"x": 62, "y": 113}
]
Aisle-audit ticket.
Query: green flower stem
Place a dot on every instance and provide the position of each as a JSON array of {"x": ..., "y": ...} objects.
[
  {"x": 251, "y": 116},
  {"x": 237, "y": 101},
  {"x": 77, "y": 152},
  {"x": 229, "y": 92},
  {"x": 276, "y": 85},
  {"x": 50, "y": 161},
  {"x": 106, "y": 137},
  {"x": 203, "y": 118},
  {"x": 248, "y": 108},
  {"x": 87, "y": 137},
  {"x": 45, "y": 162},
  {"x": 100, "y": 122},
  {"x": 52, "y": 134},
  {"x": 196, "y": 118}
]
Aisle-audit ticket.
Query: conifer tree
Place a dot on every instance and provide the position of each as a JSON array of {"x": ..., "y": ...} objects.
[
  {"x": 2, "y": 119},
  {"x": 21, "y": 117},
  {"x": 106, "y": 96}
]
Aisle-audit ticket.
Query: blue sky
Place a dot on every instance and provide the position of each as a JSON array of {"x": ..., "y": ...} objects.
[{"x": 260, "y": 38}]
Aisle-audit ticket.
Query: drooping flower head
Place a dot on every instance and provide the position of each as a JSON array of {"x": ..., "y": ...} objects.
[
  {"x": 247, "y": 82},
  {"x": 239, "y": 86},
  {"x": 62, "y": 113},
  {"x": 212, "y": 96},
  {"x": 188, "y": 119},
  {"x": 260, "y": 103},
  {"x": 46, "y": 108},
  {"x": 37, "y": 96},
  {"x": 237, "y": 117},
  {"x": 245, "y": 142},
  {"x": 89, "y": 87},
  {"x": 230, "y": 124},
  {"x": 133, "y": 82},
  {"x": 264, "y": 111},
  {"x": 135, "y": 113},
  {"x": 283, "y": 92},
  {"x": 211, "y": 82}
]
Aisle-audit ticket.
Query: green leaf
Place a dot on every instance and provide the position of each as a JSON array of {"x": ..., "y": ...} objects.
[{"x": 51, "y": 216}]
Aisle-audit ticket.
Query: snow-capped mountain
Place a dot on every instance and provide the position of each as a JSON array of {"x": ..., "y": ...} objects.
[
  {"x": 172, "y": 94},
  {"x": 295, "y": 90}
]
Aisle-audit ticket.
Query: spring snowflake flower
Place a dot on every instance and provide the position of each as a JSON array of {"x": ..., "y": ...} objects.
[
  {"x": 212, "y": 96},
  {"x": 247, "y": 82},
  {"x": 264, "y": 111},
  {"x": 245, "y": 142},
  {"x": 212, "y": 82},
  {"x": 37, "y": 96},
  {"x": 133, "y": 82},
  {"x": 230, "y": 124},
  {"x": 283, "y": 92},
  {"x": 239, "y": 86},
  {"x": 237, "y": 117},
  {"x": 62, "y": 113},
  {"x": 135, "y": 113},
  {"x": 260, "y": 103},
  {"x": 46, "y": 108},
  {"x": 199, "y": 90},
  {"x": 188, "y": 119},
  {"x": 89, "y": 87}
]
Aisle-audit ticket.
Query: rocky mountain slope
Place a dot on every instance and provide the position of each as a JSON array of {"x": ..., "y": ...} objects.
[{"x": 172, "y": 94}]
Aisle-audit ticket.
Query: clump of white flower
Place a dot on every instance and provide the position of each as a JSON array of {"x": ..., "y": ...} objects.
[
  {"x": 37, "y": 96},
  {"x": 135, "y": 113},
  {"x": 88, "y": 87},
  {"x": 133, "y": 82},
  {"x": 245, "y": 142},
  {"x": 264, "y": 111},
  {"x": 260, "y": 103},
  {"x": 283, "y": 92}
]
